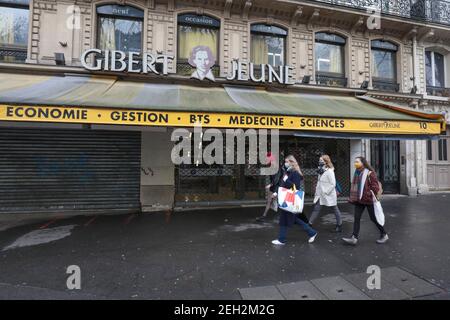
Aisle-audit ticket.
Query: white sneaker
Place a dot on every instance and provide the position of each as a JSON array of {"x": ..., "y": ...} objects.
[
  {"x": 311, "y": 240},
  {"x": 278, "y": 243}
]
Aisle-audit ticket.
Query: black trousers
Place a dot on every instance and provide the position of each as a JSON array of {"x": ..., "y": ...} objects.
[{"x": 359, "y": 209}]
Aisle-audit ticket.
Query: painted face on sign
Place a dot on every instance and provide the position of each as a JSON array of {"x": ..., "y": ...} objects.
[{"x": 201, "y": 60}]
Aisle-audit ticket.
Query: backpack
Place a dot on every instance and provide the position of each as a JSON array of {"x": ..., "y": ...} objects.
[{"x": 380, "y": 188}]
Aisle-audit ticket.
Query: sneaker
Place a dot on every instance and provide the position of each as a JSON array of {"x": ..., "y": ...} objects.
[
  {"x": 338, "y": 229},
  {"x": 311, "y": 240},
  {"x": 383, "y": 239},
  {"x": 261, "y": 219},
  {"x": 352, "y": 241},
  {"x": 278, "y": 243}
]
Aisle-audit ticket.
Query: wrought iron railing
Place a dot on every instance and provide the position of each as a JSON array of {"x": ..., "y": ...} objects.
[
  {"x": 385, "y": 85},
  {"x": 13, "y": 55},
  {"x": 185, "y": 69},
  {"x": 331, "y": 80},
  {"x": 436, "y": 11},
  {"x": 438, "y": 91}
]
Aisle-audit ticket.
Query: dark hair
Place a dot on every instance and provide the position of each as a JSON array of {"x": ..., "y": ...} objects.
[{"x": 365, "y": 163}]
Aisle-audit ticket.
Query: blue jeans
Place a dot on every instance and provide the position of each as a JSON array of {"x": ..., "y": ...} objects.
[{"x": 283, "y": 230}]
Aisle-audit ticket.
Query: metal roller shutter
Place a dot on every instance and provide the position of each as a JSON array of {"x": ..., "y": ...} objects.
[{"x": 69, "y": 171}]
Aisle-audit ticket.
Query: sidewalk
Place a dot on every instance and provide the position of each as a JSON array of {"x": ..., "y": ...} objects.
[{"x": 223, "y": 253}]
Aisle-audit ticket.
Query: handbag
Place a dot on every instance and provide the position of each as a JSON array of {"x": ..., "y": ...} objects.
[
  {"x": 291, "y": 200},
  {"x": 379, "y": 213}
]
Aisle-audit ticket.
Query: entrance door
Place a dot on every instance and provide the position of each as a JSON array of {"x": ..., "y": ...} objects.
[
  {"x": 438, "y": 163},
  {"x": 385, "y": 157}
]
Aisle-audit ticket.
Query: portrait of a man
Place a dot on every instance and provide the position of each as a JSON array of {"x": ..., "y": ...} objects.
[{"x": 202, "y": 59}]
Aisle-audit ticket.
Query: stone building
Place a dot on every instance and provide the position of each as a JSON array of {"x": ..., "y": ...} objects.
[{"x": 373, "y": 60}]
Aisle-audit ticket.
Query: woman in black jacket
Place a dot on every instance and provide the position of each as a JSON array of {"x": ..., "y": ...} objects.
[
  {"x": 272, "y": 188},
  {"x": 293, "y": 176}
]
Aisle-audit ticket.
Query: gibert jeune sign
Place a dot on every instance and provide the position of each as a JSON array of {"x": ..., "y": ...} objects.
[{"x": 134, "y": 62}]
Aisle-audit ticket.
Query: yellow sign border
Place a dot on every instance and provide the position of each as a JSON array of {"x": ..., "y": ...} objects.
[{"x": 135, "y": 117}]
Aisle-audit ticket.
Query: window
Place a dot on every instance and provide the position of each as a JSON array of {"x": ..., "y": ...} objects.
[
  {"x": 384, "y": 65},
  {"x": 268, "y": 44},
  {"x": 14, "y": 17},
  {"x": 429, "y": 150},
  {"x": 434, "y": 63},
  {"x": 119, "y": 28},
  {"x": 442, "y": 150},
  {"x": 199, "y": 35},
  {"x": 330, "y": 61}
]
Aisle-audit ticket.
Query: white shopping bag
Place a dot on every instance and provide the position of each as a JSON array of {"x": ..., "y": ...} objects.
[
  {"x": 379, "y": 214},
  {"x": 291, "y": 200}
]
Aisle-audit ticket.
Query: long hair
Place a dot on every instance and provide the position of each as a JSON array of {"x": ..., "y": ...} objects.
[
  {"x": 294, "y": 164},
  {"x": 366, "y": 163},
  {"x": 326, "y": 158}
]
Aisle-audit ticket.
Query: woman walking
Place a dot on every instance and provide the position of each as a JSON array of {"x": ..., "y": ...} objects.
[
  {"x": 326, "y": 192},
  {"x": 292, "y": 177},
  {"x": 271, "y": 189},
  {"x": 364, "y": 186}
]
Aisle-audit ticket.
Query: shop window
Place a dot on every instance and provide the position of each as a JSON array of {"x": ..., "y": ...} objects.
[
  {"x": 442, "y": 150},
  {"x": 198, "y": 46},
  {"x": 384, "y": 65},
  {"x": 14, "y": 19},
  {"x": 435, "y": 73},
  {"x": 268, "y": 44},
  {"x": 119, "y": 28},
  {"x": 330, "y": 59}
]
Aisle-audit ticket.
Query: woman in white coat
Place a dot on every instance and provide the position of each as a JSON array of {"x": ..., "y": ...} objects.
[{"x": 326, "y": 191}]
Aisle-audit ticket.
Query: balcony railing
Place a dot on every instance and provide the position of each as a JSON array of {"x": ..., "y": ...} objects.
[
  {"x": 13, "y": 55},
  {"x": 438, "y": 91},
  {"x": 185, "y": 69},
  {"x": 436, "y": 11},
  {"x": 385, "y": 85},
  {"x": 330, "y": 80}
]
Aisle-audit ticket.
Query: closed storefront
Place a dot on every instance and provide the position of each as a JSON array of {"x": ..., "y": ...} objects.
[
  {"x": 60, "y": 171},
  {"x": 201, "y": 183}
]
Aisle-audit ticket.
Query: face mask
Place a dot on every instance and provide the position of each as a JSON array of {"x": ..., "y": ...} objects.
[
  {"x": 358, "y": 165},
  {"x": 287, "y": 165},
  {"x": 321, "y": 163}
]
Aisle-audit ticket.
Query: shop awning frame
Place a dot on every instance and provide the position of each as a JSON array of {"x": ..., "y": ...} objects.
[{"x": 103, "y": 97}]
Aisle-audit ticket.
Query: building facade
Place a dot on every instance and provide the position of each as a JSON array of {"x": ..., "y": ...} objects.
[{"x": 394, "y": 53}]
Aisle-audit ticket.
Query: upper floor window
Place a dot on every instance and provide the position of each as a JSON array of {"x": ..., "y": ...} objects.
[
  {"x": 14, "y": 30},
  {"x": 384, "y": 65},
  {"x": 198, "y": 46},
  {"x": 330, "y": 59},
  {"x": 119, "y": 28},
  {"x": 268, "y": 44},
  {"x": 435, "y": 71}
]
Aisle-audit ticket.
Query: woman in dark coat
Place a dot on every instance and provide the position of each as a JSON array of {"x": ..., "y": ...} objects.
[
  {"x": 364, "y": 186},
  {"x": 293, "y": 176},
  {"x": 272, "y": 188}
]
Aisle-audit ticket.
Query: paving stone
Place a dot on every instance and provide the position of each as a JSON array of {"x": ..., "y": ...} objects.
[
  {"x": 303, "y": 290},
  {"x": 409, "y": 283},
  {"x": 261, "y": 293},
  {"x": 387, "y": 291},
  {"x": 337, "y": 288}
]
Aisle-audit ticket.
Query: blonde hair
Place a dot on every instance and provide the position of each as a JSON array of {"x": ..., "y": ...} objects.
[
  {"x": 294, "y": 163},
  {"x": 326, "y": 158}
]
